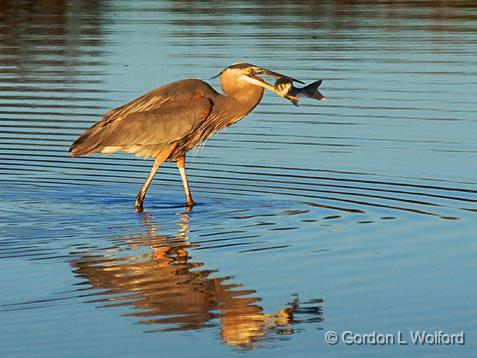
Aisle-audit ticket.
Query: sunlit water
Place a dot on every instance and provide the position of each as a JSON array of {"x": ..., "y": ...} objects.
[{"x": 357, "y": 213}]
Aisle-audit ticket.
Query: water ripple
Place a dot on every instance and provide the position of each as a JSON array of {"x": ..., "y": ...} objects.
[{"x": 349, "y": 198}]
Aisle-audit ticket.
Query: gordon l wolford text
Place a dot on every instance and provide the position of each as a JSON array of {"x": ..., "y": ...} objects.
[{"x": 418, "y": 337}]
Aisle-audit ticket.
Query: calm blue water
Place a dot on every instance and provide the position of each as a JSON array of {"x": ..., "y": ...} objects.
[{"x": 354, "y": 214}]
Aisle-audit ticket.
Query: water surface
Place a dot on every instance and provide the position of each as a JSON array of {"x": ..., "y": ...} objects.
[{"x": 356, "y": 213}]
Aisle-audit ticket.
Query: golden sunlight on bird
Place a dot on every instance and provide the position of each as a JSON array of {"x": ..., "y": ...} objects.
[{"x": 170, "y": 120}]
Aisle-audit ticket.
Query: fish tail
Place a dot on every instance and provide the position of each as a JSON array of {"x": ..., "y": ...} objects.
[{"x": 312, "y": 91}]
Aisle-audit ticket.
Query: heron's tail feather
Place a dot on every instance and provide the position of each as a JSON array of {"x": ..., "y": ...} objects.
[
  {"x": 78, "y": 151},
  {"x": 87, "y": 143}
]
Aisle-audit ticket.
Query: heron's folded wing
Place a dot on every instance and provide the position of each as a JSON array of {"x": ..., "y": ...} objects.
[{"x": 166, "y": 124}]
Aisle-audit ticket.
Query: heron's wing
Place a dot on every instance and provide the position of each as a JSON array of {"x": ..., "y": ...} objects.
[
  {"x": 171, "y": 121},
  {"x": 167, "y": 124},
  {"x": 162, "y": 115},
  {"x": 175, "y": 93}
]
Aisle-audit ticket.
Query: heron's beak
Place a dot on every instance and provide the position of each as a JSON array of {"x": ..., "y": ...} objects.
[
  {"x": 257, "y": 81},
  {"x": 264, "y": 71}
]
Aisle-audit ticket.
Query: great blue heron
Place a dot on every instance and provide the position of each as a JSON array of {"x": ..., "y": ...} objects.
[{"x": 168, "y": 121}]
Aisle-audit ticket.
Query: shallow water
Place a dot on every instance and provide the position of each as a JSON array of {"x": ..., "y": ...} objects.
[{"x": 357, "y": 213}]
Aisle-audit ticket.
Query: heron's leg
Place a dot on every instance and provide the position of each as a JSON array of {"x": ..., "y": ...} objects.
[
  {"x": 142, "y": 193},
  {"x": 161, "y": 157},
  {"x": 181, "y": 166}
]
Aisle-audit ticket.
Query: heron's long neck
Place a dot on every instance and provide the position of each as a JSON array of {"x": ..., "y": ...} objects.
[
  {"x": 226, "y": 110},
  {"x": 242, "y": 101}
]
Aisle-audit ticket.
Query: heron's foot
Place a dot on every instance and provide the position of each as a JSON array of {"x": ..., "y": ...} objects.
[
  {"x": 138, "y": 204},
  {"x": 190, "y": 204}
]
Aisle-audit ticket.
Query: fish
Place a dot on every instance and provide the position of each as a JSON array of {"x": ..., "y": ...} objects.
[{"x": 284, "y": 87}]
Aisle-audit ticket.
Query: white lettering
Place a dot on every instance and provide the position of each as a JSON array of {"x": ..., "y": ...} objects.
[
  {"x": 401, "y": 340},
  {"x": 437, "y": 338},
  {"x": 372, "y": 338}
]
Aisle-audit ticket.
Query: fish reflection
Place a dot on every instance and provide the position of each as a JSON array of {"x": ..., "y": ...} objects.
[{"x": 170, "y": 292}]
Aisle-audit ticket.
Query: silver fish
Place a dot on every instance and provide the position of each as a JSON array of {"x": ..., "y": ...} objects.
[{"x": 284, "y": 87}]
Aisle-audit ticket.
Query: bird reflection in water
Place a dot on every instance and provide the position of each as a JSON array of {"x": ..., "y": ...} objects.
[{"x": 170, "y": 292}]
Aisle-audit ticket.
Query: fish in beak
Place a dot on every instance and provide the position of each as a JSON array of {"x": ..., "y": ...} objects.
[
  {"x": 284, "y": 87},
  {"x": 253, "y": 71}
]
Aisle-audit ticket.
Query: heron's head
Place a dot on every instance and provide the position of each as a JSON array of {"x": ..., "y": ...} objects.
[{"x": 236, "y": 79}]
